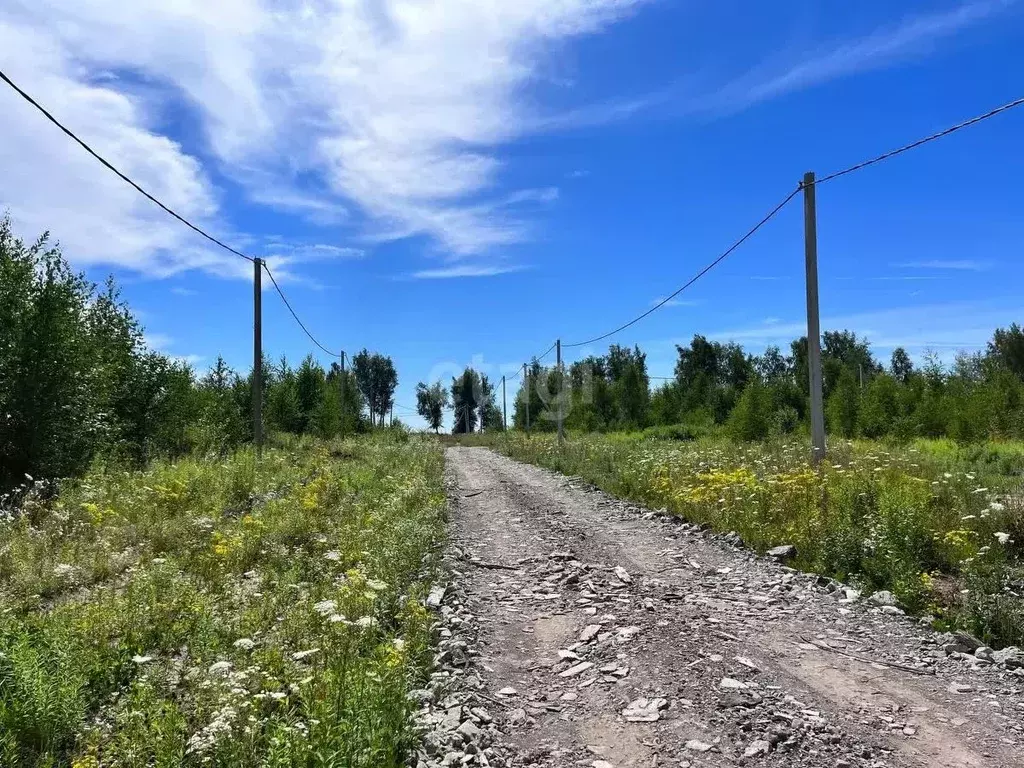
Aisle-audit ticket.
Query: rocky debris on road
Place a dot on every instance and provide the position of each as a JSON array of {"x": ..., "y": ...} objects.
[
  {"x": 454, "y": 719},
  {"x": 613, "y": 644}
]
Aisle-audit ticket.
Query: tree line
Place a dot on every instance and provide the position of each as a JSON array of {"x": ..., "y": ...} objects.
[
  {"x": 78, "y": 383},
  {"x": 754, "y": 396}
]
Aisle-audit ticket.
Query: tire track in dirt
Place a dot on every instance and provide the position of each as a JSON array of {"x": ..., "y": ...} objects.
[{"x": 615, "y": 636}]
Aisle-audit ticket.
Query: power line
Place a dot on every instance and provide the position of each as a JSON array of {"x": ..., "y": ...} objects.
[
  {"x": 696, "y": 277},
  {"x": 122, "y": 176},
  {"x": 915, "y": 144},
  {"x": 297, "y": 320}
]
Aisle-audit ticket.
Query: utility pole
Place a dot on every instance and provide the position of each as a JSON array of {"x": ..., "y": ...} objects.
[
  {"x": 813, "y": 320},
  {"x": 504, "y": 407},
  {"x": 257, "y": 355},
  {"x": 561, "y": 387},
  {"x": 392, "y": 413},
  {"x": 342, "y": 389},
  {"x": 526, "y": 382}
]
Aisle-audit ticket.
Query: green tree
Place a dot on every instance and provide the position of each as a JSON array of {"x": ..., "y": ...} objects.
[
  {"x": 1007, "y": 349},
  {"x": 880, "y": 409},
  {"x": 310, "y": 385},
  {"x": 751, "y": 419},
  {"x": 467, "y": 395},
  {"x": 900, "y": 365},
  {"x": 843, "y": 405},
  {"x": 377, "y": 380},
  {"x": 431, "y": 402}
]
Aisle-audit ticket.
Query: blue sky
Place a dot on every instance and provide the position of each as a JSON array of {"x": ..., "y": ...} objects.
[{"x": 461, "y": 182}]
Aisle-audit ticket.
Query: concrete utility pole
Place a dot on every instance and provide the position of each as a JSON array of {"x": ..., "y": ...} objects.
[
  {"x": 342, "y": 382},
  {"x": 526, "y": 384},
  {"x": 257, "y": 355},
  {"x": 504, "y": 407},
  {"x": 561, "y": 387},
  {"x": 813, "y": 320}
]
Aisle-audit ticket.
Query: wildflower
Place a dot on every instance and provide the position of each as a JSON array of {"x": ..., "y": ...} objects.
[
  {"x": 220, "y": 668},
  {"x": 244, "y": 643},
  {"x": 1004, "y": 538},
  {"x": 300, "y": 655},
  {"x": 366, "y": 622},
  {"x": 141, "y": 659},
  {"x": 65, "y": 571},
  {"x": 333, "y": 556},
  {"x": 995, "y": 506},
  {"x": 325, "y": 607}
]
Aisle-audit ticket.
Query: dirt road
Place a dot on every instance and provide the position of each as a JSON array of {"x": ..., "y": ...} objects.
[{"x": 607, "y": 635}]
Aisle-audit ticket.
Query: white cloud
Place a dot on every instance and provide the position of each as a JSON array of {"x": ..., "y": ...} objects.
[
  {"x": 394, "y": 109},
  {"x": 181, "y": 291},
  {"x": 466, "y": 270},
  {"x": 913, "y": 36},
  {"x": 660, "y": 301},
  {"x": 966, "y": 265},
  {"x": 49, "y": 183}
]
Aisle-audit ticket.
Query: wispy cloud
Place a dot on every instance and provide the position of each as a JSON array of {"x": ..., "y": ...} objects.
[
  {"x": 674, "y": 302},
  {"x": 914, "y": 36},
  {"x": 466, "y": 270},
  {"x": 963, "y": 265},
  {"x": 182, "y": 291}
]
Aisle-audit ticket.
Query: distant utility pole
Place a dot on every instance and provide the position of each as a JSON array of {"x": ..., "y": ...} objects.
[
  {"x": 342, "y": 385},
  {"x": 526, "y": 383},
  {"x": 465, "y": 411},
  {"x": 257, "y": 355},
  {"x": 561, "y": 387},
  {"x": 504, "y": 407},
  {"x": 813, "y": 321}
]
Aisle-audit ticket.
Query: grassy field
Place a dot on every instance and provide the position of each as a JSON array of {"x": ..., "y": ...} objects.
[
  {"x": 941, "y": 526},
  {"x": 222, "y": 613}
]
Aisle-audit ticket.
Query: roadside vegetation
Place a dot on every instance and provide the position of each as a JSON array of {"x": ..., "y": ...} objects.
[
  {"x": 78, "y": 383},
  {"x": 222, "y": 612},
  {"x": 939, "y": 525}
]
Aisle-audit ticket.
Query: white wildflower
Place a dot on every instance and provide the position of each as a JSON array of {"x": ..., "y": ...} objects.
[
  {"x": 326, "y": 607},
  {"x": 300, "y": 655},
  {"x": 141, "y": 659},
  {"x": 244, "y": 643},
  {"x": 375, "y": 585},
  {"x": 333, "y": 556},
  {"x": 220, "y": 668},
  {"x": 65, "y": 571},
  {"x": 1004, "y": 538},
  {"x": 995, "y": 506},
  {"x": 366, "y": 622}
]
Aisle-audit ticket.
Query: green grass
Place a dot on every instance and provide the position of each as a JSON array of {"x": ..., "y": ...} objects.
[
  {"x": 222, "y": 613},
  {"x": 940, "y": 525}
]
